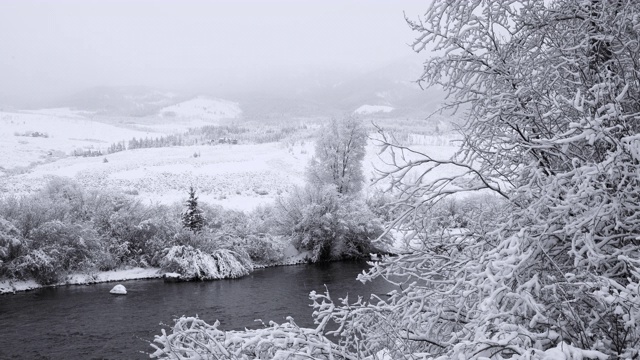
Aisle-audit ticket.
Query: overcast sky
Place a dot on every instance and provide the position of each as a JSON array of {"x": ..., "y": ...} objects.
[{"x": 56, "y": 47}]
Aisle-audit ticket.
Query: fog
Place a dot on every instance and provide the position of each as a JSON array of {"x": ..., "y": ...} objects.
[{"x": 53, "y": 48}]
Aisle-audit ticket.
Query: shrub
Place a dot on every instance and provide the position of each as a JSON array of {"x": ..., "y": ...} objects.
[
  {"x": 193, "y": 263},
  {"x": 71, "y": 245},
  {"x": 11, "y": 244},
  {"x": 39, "y": 264},
  {"x": 261, "y": 248},
  {"x": 332, "y": 226}
]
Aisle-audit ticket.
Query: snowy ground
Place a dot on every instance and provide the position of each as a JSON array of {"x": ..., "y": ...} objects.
[
  {"x": 7, "y": 286},
  {"x": 65, "y": 131},
  {"x": 240, "y": 176}
]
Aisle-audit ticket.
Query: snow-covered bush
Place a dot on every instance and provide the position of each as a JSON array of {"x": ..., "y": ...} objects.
[
  {"x": 111, "y": 255},
  {"x": 195, "y": 264},
  {"x": 191, "y": 338},
  {"x": 262, "y": 248},
  {"x": 53, "y": 249},
  {"x": 331, "y": 225},
  {"x": 42, "y": 265},
  {"x": 29, "y": 212},
  {"x": 146, "y": 231},
  {"x": 71, "y": 244},
  {"x": 11, "y": 244},
  {"x": 65, "y": 191}
]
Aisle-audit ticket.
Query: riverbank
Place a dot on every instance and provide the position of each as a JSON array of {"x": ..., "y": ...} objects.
[
  {"x": 7, "y": 286},
  {"x": 136, "y": 273}
]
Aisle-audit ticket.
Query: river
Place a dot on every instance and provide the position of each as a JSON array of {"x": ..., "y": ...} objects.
[{"x": 86, "y": 322}]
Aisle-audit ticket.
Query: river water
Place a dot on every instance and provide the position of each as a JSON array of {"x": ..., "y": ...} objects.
[{"x": 86, "y": 322}]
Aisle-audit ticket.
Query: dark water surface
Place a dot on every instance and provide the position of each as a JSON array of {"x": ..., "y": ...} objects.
[{"x": 86, "y": 322}]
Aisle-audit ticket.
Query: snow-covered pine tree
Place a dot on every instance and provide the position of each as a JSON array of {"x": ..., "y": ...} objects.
[{"x": 192, "y": 218}]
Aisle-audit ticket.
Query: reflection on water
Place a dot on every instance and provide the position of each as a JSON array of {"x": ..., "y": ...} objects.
[{"x": 86, "y": 322}]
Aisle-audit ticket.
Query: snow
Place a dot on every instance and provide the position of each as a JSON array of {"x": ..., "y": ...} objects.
[
  {"x": 118, "y": 290},
  {"x": 235, "y": 176},
  {"x": 203, "y": 108},
  {"x": 240, "y": 177},
  {"x": 61, "y": 112},
  {"x": 194, "y": 264},
  {"x": 291, "y": 257},
  {"x": 564, "y": 351},
  {"x": 64, "y": 134},
  {"x": 372, "y": 109},
  {"x": 12, "y": 286}
]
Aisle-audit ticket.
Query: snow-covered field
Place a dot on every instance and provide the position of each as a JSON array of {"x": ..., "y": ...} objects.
[
  {"x": 239, "y": 176},
  {"x": 65, "y": 131}
]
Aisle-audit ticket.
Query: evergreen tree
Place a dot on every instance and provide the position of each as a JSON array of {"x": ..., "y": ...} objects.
[{"x": 192, "y": 218}]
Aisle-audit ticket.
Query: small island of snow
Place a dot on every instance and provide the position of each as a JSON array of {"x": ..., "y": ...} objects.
[{"x": 119, "y": 290}]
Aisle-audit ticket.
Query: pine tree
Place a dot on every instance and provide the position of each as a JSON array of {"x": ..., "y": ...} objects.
[{"x": 192, "y": 218}]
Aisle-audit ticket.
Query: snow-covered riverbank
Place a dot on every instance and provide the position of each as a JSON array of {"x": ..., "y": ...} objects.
[
  {"x": 12, "y": 286},
  {"x": 292, "y": 257}
]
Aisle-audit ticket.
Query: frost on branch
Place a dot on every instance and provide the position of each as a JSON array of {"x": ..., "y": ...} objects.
[{"x": 192, "y": 338}]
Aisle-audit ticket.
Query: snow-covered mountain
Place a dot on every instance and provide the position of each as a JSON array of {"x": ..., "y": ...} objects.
[{"x": 297, "y": 93}]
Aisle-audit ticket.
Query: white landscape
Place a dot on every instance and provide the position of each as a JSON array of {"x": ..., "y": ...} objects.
[{"x": 314, "y": 180}]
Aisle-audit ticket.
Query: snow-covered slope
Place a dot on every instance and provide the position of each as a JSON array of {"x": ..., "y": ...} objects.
[
  {"x": 372, "y": 109},
  {"x": 36, "y": 136},
  {"x": 203, "y": 108}
]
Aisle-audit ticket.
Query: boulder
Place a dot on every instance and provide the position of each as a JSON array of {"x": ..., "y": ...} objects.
[{"x": 119, "y": 290}]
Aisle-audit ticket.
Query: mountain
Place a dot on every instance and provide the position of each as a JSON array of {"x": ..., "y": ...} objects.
[
  {"x": 125, "y": 101},
  {"x": 390, "y": 91}
]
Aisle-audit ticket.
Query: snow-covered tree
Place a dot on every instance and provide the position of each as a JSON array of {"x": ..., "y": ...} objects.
[
  {"x": 551, "y": 91},
  {"x": 329, "y": 225},
  {"x": 340, "y": 149},
  {"x": 192, "y": 217}
]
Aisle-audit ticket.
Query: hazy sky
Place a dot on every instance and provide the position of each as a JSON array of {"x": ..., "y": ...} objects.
[{"x": 50, "y": 48}]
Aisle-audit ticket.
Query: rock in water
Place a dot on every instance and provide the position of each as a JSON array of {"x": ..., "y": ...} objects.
[{"x": 119, "y": 290}]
